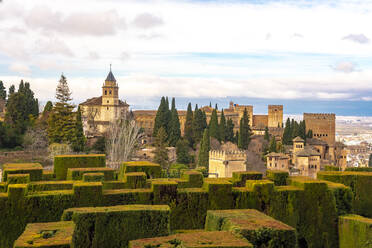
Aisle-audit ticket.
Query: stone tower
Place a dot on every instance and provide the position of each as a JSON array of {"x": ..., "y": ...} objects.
[
  {"x": 322, "y": 125},
  {"x": 275, "y": 116},
  {"x": 110, "y": 91}
]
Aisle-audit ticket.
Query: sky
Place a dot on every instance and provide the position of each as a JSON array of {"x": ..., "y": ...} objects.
[{"x": 311, "y": 56}]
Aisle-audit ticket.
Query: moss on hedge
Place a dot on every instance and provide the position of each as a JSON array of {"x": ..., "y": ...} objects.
[
  {"x": 199, "y": 239},
  {"x": 258, "y": 228},
  {"x": 278, "y": 177},
  {"x": 115, "y": 226},
  {"x": 34, "y": 169},
  {"x": 63, "y": 162},
  {"x": 152, "y": 170},
  {"x": 46, "y": 235},
  {"x": 355, "y": 231}
]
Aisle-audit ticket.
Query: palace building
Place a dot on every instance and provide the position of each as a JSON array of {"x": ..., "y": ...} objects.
[{"x": 98, "y": 112}]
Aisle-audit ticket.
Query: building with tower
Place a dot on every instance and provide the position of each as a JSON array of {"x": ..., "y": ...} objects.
[{"x": 98, "y": 112}]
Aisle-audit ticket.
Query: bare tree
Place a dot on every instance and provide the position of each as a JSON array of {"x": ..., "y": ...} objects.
[
  {"x": 35, "y": 139},
  {"x": 89, "y": 117},
  {"x": 123, "y": 139}
]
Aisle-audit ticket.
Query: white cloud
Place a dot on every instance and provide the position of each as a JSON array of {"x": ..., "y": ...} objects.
[
  {"x": 53, "y": 46},
  {"x": 147, "y": 20},
  {"x": 359, "y": 38},
  {"x": 344, "y": 66},
  {"x": 21, "y": 69},
  {"x": 93, "y": 55}
]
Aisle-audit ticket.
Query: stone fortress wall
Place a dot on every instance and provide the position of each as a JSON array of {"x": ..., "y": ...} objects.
[{"x": 322, "y": 125}]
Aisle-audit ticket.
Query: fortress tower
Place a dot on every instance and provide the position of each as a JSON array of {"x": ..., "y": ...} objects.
[
  {"x": 224, "y": 163},
  {"x": 275, "y": 116},
  {"x": 323, "y": 126}
]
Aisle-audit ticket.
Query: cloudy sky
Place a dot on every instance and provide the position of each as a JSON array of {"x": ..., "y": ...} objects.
[{"x": 313, "y": 56}]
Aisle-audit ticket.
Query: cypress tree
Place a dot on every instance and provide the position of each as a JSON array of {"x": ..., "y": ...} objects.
[
  {"x": 161, "y": 119},
  {"x": 62, "y": 121},
  {"x": 203, "y": 157},
  {"x": 302, "y": 130},
  {"x": 309, "y": 134},
  {"x": 188, "y": 135},
  {"x": 213, "y": 125},
  {"x": 199, "y": 124},
  {"x": 78, "y": 141},
  {"x": 174, "y": 129},
  {"x": 267, "y": 135},
  {"x": 370, "y": 160},
  {"x": 272, "y": 146},
  {"x": 287, "y": 134},
  {"x": 222, "y": 127},
  {"x": 11, "y": 90},
  {"x": 244, "y": 131},
  {"x": 161, "y": 153},
  {"x": 230, "y": 130},
  {"x": 182, "y": 151},
  {"x": 2, "y": 91},
  {"x": 295, "y": 130},
  {"x": 236, "y": 138}
]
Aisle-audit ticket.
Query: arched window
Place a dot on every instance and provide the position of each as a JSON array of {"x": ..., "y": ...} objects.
[{"x": 105, "y": 92}]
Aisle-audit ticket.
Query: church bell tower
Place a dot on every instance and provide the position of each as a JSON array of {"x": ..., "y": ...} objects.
[{"x": 110, "y": 91}]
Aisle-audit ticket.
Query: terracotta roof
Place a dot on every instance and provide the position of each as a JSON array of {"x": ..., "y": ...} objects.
[
  {"x": 307, "y": 152},
  {"x": 97, "y": 101},
  {"x": 315, "y": 141},
  {"x": 298, "y": 139}
]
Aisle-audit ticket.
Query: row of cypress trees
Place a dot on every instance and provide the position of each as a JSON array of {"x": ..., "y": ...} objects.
[{"x": 295, "y": 129}]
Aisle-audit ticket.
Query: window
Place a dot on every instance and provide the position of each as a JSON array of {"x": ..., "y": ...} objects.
[
  {"x": 105, "y": 92},
  {"x": 107, "y": 108},
  {"x": 110, "y": 92},
  {"x": 108, "y": 101}
]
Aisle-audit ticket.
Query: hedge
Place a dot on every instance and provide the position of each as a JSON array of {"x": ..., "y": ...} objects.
[
  {"x": 152, "y": 170},
  {"x": 219, "y": 194},
  {"x": 34, "y": 169},
  {"x": 195, "y": 240},
  {"x": 332, "y": 168},
  {"x": 365, "y": 169},
  {"x": 93, "y": 177},
  {"x": 239, "y": 178},
  {"x": 78, "y": 173},
  {"x": 63, "y": 162},
  {"x": 115, "y": 226},
  {"x": 361, "y": 185},
  {"x": 50, "y": 186},
  {"x": 135, "y": 180},
  {"x": 355, "y": 231},
  {"x": 258, "y": 228},
  {"x": 88, "y": 193},
  {"x": 278, "y": 177},
  {"x": 46, "y": 235},
  {"x": 194, "y": 179},
  {"x": 18, "y": 178}
]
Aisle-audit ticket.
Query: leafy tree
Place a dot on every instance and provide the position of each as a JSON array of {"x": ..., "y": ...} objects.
[
  {"x": 370, "y": 160},
  {"x": 229, "y": 130},
  {"x": 78, "y": 140},
  {"x": 267, "y": 135},
  {"x": 48, "y": 107},
  {"x": 188, "y": 135},
  {"x": 222, "y": 127},
  {"x": 198, "y": 125},
  {"x": 2, "y": 91},
  {"x": 161, "y": 153},
  {"x": 174, "y": 128},
  {"x": 162, "y": 118},
  {"x": 287, "y": 133},
  {"x": 244, "y": 131},
  {"x": 205, "y": 146},
  {"x": 62, "y": 121},
  {"x": 272, "y": 145},
  {"x": 182, "y": 151},
  {"x": 213, "y": 125}
]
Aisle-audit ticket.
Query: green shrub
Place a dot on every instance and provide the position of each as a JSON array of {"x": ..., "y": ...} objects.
[
  {"x": 194, "y": 179},
  {"x": 18, "y": 178},
  {"x": 355, "y": 231},
  {"x": 63, "y": 162},
  {"x": 50, "y": 186},
  {"x": 115, "y": 226},
  {"x": 331, "y": 168},
  {"x": 34, "y": 169},
  {"x": 365, "y": 169},
  {"x": 48, "y": 175},
  {"x": 46, "y": 235},
  {"x": 152, "y": 170},
  {"x": 194, "y": 239},
  {"x": 278, "y": 177},
  {"x": 135, "y": 180},
  {"x": 259, "y": 229},
  {"x": 164, "y": 191}
]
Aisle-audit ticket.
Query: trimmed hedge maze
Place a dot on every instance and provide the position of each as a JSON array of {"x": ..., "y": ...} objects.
[{"x": 107, "y": 208}]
